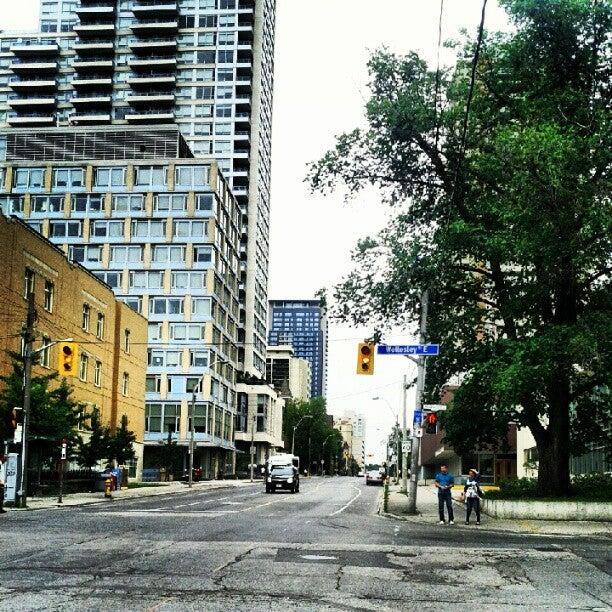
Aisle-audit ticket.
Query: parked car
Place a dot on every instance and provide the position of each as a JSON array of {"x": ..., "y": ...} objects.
[
  {"x": 374, "y": 477},
  {"x": 361, "y": 474}
]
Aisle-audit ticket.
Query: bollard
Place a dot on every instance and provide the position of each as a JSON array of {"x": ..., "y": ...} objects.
[{"x": 107, "y": 488}]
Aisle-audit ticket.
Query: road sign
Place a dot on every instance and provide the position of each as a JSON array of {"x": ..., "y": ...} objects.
[
  {"x": 406, "y": 446},
  {"x": 418, "y": 432},
  {"x": 418, "y": 417},
  {"x": 408, "y": 349},
  {"x": 64, "y": 451},
  {"x": 434, "y": 407}
]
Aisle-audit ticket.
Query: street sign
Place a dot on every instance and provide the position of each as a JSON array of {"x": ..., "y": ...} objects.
[
  {"x": 434, "y": 407},
  {"x": 17, "y": 434},
  {"x": 418, "y": 417},
  {"x": 406, "y": 446},
  {"x": 408, "y": 349},
  {"x": 10, "y": 474},
  {"x": 64, "y": 451},
  {"x": 418, "y": 432}
]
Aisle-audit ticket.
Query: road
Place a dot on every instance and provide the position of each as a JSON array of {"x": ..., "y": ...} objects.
[{"x": 323, "y": 548}]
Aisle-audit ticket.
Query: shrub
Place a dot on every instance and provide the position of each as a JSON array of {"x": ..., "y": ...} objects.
[{"x": 515, "y": 488}]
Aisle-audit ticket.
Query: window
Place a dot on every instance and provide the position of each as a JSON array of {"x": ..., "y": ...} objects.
[
  {"x": 199, "y": 415},
  {"x": 227, "y": 4},
  {"x": 205, "y": 57},
  {"x": 112, "y": 279},
  {"x": 162, "y": 306},
  {"x": 125, "y": 254},
  {"x": 188, "y": 280},
  {"x": 85, "y": 254},
  {"x": 204, "y": 202},
  {"x": 198, "y": 358},
  {"x": 226, "y": 38},
  {"x": 186, "y": 331},
  {"x": 170, "y": 202},
  {"x": 202, "y": 254},
  {"x": 225, "y": 57},
  {"x": 47, "y": 204},
  {"x": 110, "y": 177},
  {"x": 167, "y": 254},
  {"x": 189, "y": 229},
  {"x": 98, "y": 373},
  {"x": 126, "y": 340},
  {"x": 100, "y": 326},
  {"x": 225, "y": 74},
  {"x": 191, "y": 176},
  {"x": 49, "y": 295},
  {"x": 153, "y": 384},
  {"x": 154, "y": 332},
  {"x": 45, "y": 352},
  {"x": 201, "y": 306},
  {"x": 87, "y": 203},
  {"x": 107, "y": 229},
  {"x": 29, "y": 178},
  {"x": 86, "y": 317},
  {"x": 10, "y": 205},
  {"x": 133, "y": 301},
  {"x": 125, "y": 384},
  {"x": 68, "y": 177},
  {"x": 153, "y": 418},
  {"x": 145, "y": 228},
  {"x": 28, "y": 283},
  {"x": 83, "y": 363},
  {"x": 128, "y": 202},
  {"x": 146, "y": 280},
  {"x": 64, "y": 229},
  {"x": 147, "y": 176},
  {"x": 162, "y": 418},
  {"x": 223, "y": 129},
  {"x": 161, "y": 358},
  {"x": 224, "y": 110}
]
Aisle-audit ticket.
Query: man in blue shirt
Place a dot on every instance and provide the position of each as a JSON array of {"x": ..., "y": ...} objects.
[{"x": 444, "y": 483}]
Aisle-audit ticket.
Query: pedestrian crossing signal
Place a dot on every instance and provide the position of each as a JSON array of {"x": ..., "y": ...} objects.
[
  {"x": 68, "y": 365},
  {"x": 365, "y": 358},
  {"x": 431, "y": 423}
]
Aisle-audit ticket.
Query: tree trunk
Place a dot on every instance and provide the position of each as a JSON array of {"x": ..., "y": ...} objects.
[{"x": 554, "y": 447}]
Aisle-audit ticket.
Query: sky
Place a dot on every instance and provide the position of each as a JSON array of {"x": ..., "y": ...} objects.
[{"x": 322, "y": 47}]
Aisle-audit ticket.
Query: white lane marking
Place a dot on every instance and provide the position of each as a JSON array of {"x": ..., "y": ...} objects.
[
  {"x": 349, "y": 503},
  {"x": 318, "y": 557},
  {"x": 167, "y": 514}
]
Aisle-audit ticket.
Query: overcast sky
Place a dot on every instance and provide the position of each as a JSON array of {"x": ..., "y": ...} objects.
[{"x": 322, "y": 47}]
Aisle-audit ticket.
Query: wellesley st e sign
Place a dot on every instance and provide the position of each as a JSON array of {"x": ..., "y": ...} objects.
[{"x": 408, "y": 349}]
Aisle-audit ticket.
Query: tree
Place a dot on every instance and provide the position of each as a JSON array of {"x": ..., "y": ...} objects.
[
  {"x": 98, "y": 446},
  {"x": 54, "y": 415},
  {"x": 121, "y": 443},
  {"x": 504, "y": 216}
]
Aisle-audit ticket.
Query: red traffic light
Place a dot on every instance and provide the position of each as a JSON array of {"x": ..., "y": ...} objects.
[{"x": 431, "y": 418}]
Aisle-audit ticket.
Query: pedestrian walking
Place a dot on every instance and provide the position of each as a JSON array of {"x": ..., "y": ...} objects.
[
  {"x": 444, "y": 482},
  {"x": 473, "y": 493},
  {"x": 2, "y": 479}
]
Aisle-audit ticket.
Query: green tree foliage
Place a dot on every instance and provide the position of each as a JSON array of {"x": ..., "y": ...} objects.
[
  {"x": 54, "y": 415},
  {"x": 97, "y": 447},
  {"x": 325, "y": 441},
  {"x": 509, "y": 229},
  {"x": 121, "y": 443}
]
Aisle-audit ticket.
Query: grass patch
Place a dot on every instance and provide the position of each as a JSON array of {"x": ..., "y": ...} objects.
[{"x": 142, "y": 485}]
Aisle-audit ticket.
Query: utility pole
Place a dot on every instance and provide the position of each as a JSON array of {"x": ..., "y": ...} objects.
[
  {"x": 404, "y": 487},
  {"x": 416, "y": 441},
  {"x": 28, "y": 337},
  {"x": 252, "y": 449}
]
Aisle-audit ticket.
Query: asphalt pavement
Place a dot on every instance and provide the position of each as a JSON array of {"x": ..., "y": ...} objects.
[{"x": 323, "y": 548}]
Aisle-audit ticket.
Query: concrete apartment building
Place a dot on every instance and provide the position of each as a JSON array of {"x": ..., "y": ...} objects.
[
  {"x": 302, "y": 324},
  {"x": 289, "y": 375},
  {"x": 71, "y": 302},
  {"x": 162, "y": 230},
  {"x": 206, "y": 65}
]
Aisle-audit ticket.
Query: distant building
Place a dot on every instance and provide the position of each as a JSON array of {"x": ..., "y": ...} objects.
[
  {"x": 289, "y": 375},
  {"x": 303, "y": 325},
  {"x": 71, "y": 302},
  {"x": 359, "y": 434}
]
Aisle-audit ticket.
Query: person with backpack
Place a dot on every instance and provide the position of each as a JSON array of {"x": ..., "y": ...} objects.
[{"x": 472, "y": 493}]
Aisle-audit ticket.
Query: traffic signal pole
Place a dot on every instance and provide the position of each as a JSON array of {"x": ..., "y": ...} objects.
[
  {"x": 420, "y": 386},
  {"x": 28, "y": 336}
]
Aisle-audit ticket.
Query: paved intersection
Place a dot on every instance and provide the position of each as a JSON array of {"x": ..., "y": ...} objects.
[{"x": 324, "y": 548}]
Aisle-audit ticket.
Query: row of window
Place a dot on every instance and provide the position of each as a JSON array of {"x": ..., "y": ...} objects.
[
  {"x": 144, "y": 176},
  {"x": 154, "y": 279},
  {"x": 160, "y": 254}
]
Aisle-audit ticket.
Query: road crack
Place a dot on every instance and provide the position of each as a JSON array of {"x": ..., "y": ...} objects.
[{"x": 220, "y": 573}]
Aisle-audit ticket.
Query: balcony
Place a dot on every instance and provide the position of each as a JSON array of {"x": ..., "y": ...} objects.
[
  {"x": 31, "y": 120},
  {"x": 152, "y": 63},
  {"x": 94, "y": 47},
  {"x": 37, "y": 67},
  {"x": 154, "y": 27},
  {"x": 155, "y": 98},
  {"x": 35, "y": 50},
  {"x": 158, "y": 79},
  {"x": 32, "y": 85},
  {"x": 94, "y": 65},
  {"x": 93, "y": 81},
  {"x": 91, "y": 100},
  {"x": 159, "y": 45},
  {"x": 95, "y": 10},
  {"x": 95, "y": 29},
  {"x": 38, "y": 102},
  {"x": 151, "y": 116},
  {"x": 162, "y": 8},
  {"x": 89, "y": 118}
]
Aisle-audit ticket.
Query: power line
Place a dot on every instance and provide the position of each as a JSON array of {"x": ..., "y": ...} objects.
[{"x": 437, "y": 88}]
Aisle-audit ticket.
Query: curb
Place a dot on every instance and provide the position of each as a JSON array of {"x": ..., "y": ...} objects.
[{"x": 102, "y": 500}]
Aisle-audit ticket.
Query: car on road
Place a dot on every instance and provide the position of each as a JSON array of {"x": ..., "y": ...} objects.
[
  {"x": 374, "y": 477},
  {"x": 283, "y": 477},
  {"x": 361, "y": 474}
]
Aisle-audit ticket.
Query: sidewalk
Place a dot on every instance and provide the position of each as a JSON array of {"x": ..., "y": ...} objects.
[
  {"x": 427, "y": 506},
  {"x": 84, "y": 499}
]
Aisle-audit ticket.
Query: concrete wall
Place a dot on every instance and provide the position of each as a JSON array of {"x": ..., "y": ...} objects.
[{"x": 548, "y": 510}]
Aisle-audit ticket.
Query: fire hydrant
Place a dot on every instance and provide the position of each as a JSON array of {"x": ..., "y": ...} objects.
[{"x": 108, "y": 483}]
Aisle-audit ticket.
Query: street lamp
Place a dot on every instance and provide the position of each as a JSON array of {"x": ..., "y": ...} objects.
[
  {"x": 323, "y": 455},
  {"x": 306, "y": 416},
  {"x": 399, "y": 448},
  {"x": 195, "y": 389}
]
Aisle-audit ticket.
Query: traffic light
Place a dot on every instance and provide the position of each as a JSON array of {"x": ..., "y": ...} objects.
[
  {"x": 431, "y": 422},
  {"x": 365, "y": 358},
  {"x": 11, "y": 420},
  {"x": 68, "y": 364}
]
